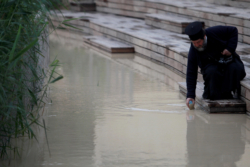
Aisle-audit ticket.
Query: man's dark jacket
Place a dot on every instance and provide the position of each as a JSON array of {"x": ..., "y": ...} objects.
[{"x": 218, "y": 39}]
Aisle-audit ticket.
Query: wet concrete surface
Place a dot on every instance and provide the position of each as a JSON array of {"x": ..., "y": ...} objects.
[{"x": 105, "y": 114}]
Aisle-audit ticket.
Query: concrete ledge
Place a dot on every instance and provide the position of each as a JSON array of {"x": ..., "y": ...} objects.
[
  {"x": 234, "y": 3},
  {"x": 83, "y": 6},
  {"x": 108, "y": 44},
  {"x": 168, "y": 22}
]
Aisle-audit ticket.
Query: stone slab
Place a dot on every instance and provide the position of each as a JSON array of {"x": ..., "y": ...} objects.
[
  {"x": 83, "y": 6},
  {"x": 111, "y": 55},
  {"x": 165, "y": 26},
  {"x": 172, "y": 19},
  {"x": 235, "y": 3},
  {"x": 110, "y": 45}
]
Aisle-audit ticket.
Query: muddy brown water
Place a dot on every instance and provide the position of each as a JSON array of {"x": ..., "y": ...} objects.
[{"x": 104, "y": 114}]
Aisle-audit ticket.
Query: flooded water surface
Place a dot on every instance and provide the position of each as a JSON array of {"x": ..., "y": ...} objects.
[{"x": 106, "y": 114}]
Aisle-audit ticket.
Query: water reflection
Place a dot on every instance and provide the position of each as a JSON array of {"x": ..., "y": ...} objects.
[
  {"x": 214, "y": 140},
  {"x": 112, "y": 116},
  {"x": 133, "y": 61}
]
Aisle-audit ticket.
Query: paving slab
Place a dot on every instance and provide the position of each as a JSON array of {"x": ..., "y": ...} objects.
[
  {"x": 111, "y": 55},
  {"x": 168, "y": 22},
  {"x": 83, "y": 6},
  {"x": 234, "y": 3},
  {"x": 216, "y": 106},
  {"x": 110, "y": 45}
]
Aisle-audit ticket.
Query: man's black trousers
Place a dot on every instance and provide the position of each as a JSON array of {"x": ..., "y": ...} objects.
[{"x": 221, "y": 79}]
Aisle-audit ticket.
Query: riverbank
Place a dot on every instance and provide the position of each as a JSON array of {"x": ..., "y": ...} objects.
[{"x": 165, "y": 48}]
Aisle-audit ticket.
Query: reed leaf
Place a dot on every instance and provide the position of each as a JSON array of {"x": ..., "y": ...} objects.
[
  {"x": 23, "y": 32},
  {"x": 15, "y": 43},
  {"x": 57, "y": 79}
]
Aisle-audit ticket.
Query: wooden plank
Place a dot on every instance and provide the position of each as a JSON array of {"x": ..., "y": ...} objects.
[
  {"x": 215, "y": 106},
  {"x": 110, "y": 45}
]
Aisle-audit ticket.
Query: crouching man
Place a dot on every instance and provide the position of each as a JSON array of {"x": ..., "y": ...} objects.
[{"x": 213, "y": 50}]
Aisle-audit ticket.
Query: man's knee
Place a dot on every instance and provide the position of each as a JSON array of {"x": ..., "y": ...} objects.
[{"x": 236, "y": 68}]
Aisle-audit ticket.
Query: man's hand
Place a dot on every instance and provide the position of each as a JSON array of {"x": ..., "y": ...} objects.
[
  {"x": 189, "y": 99},
  {"x": 226, "y": 52}
]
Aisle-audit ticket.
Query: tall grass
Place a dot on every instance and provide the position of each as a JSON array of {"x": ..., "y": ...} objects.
[{"x": 23, "y": 33}]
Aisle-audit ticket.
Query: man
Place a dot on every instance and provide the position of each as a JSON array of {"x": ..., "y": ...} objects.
[{"x": 213, "y": 50}]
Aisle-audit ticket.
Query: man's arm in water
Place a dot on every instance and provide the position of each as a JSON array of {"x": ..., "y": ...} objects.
[{"x": 191, "y": 76}]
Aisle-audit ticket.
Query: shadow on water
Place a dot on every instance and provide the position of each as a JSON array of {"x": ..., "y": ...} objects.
[{"x": 110, "y": 112}]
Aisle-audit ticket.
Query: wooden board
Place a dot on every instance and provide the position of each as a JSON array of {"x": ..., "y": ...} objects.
[
  {"x": 215, "y": 106},
  {"x": 107, "y": 44}
]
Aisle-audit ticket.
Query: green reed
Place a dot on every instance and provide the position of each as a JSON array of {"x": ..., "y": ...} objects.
[{"x": 24, "y": 79}]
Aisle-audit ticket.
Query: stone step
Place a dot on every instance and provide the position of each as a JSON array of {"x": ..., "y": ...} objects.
[
  {"x": 176, "y": 44},
  {"x": 234, "y": 3},
  {"x": 211, "y": 14},
  {"x": 83, "y": 6},
  {"x": 168, "y": 22},
  {"x": 107, "y": 44},
  {"x": 108, "y": 54},
  {"x": 215, "y": 106},
  {"x": 152, "y": 45}
]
